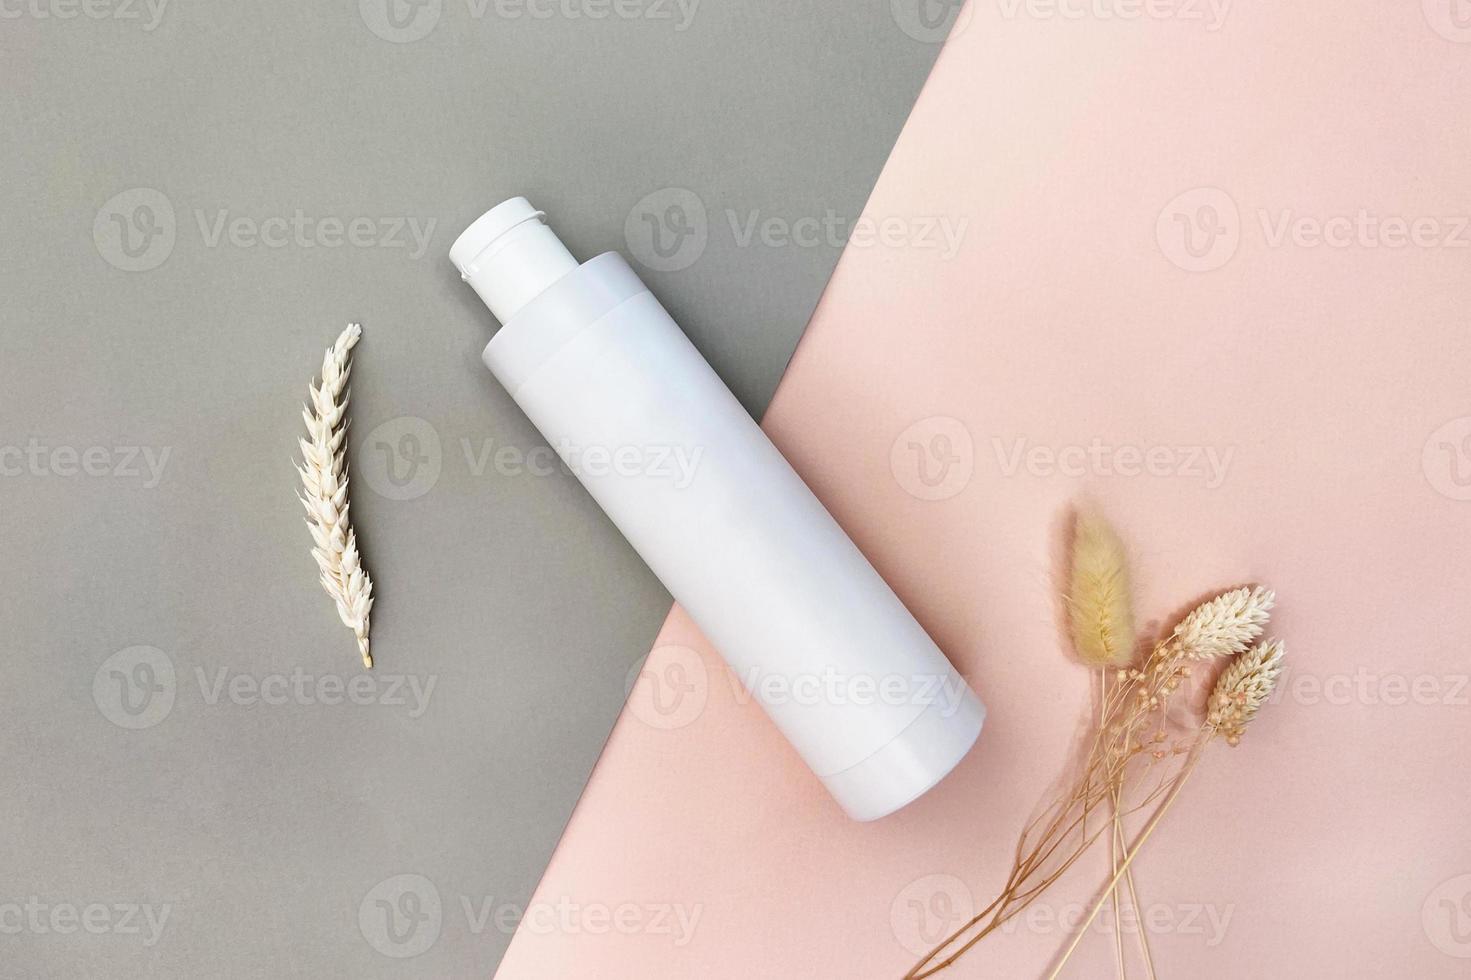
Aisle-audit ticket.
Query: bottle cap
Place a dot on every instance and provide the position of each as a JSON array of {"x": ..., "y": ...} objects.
[{"x": 510, "y": 256}]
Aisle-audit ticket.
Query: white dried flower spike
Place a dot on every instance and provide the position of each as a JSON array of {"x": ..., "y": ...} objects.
[
  {"x": 1226, "y": 625},
  {"x": 1243, "y": 688},
  {"x": 324, "y": 479}
]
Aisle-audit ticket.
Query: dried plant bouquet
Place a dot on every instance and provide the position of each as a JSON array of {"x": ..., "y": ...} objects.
[{"x": 1145, "y": 742}]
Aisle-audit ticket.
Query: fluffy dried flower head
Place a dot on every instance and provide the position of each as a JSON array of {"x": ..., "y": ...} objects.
[
  {"x": 1099, "y": 609},
  {"x": 1226, "y": 625},
  {"x": 1243, "y": 688}
]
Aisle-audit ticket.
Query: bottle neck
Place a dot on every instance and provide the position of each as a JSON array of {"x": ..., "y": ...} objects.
[{"x": 509, "y": 256}]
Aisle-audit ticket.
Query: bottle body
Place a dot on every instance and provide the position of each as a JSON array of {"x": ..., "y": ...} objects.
[{"x": 802, "y": 618}]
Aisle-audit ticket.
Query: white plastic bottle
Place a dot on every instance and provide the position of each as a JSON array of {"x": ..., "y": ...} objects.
[{"x": 825, "y": 646}]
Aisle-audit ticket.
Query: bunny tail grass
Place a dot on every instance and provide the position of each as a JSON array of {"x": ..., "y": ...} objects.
[{"x": 1099, "y": 608}]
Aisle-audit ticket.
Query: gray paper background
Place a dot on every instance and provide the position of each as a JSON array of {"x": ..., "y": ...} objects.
[{"x": 180, "y": 734}]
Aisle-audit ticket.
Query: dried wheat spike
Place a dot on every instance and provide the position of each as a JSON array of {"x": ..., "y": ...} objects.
[{"x": 324, "y": 479}]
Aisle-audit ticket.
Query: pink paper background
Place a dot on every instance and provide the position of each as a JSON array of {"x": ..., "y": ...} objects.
[{"x": 1334, "y": 841}]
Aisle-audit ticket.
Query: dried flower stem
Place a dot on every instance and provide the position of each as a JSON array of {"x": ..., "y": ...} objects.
[
  {"x": 1116, "y": 843},
  {"x": 1143, "y": 934},
  {"x": 1133, "y": 852},
  {"x": 324, "y": 480}
]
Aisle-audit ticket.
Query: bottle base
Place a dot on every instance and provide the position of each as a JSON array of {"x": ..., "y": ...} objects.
[{"x": 912, "y": 763}]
